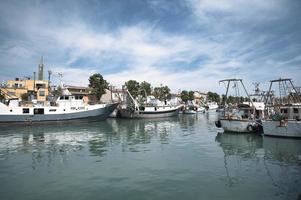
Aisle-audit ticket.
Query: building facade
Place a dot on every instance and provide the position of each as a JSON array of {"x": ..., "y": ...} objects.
[{"x": 35, "y": 89}]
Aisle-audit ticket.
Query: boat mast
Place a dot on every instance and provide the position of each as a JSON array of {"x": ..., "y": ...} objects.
[{"x": 235, "y": 81}]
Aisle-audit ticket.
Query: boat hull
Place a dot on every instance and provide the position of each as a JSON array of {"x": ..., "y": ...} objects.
[
  {"x": 189, "y": 112},
  {"x": 240, "y": 126},
  {"x": 290, "y": 128},
  {"x": 98, "y": 113},
  {"x": 124, "y": 113}
]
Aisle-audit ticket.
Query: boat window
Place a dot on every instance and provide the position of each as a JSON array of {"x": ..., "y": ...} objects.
[
  {"x": 73, "y": 108},
  {"x": 284, "y": 110},
  {"x": 66, "y": 97},
  {"x": 80, "y": 97},
  {"x": 296, "y": 110},
  {"x": 52, "y": 110},
  {"x": 38, "y": 111},
  {"x": 25, "y": 110},
  {"x": 62, "y": 98}
]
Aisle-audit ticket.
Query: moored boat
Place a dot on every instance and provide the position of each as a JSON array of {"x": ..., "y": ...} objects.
[
  {"x": 67, "y": 107},
  {"x": 152, "y": 108},
  {"x": 283, "y": 112},
  {"x": 211, "y": 106},
  {"x": 190, "y": 109},
  {"x": 242, "y": 118}
]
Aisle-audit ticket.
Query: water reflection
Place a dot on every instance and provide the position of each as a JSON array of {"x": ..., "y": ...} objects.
[
  {"x": 280, "y": 158},
  {"x": 46, "y": 141},
  {"x": 282, "y": 150},
  {"x": 282, "y": 161},
  {"x": 244, "y": 145},
  {"x": 143, "y": 130},
  {"x": 236, "y": 148}
]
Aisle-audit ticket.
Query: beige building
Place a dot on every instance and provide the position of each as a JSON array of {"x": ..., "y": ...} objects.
[
  {"x": 16, "y": 88},
  {"x": 115, "y": 95},
  {"x": 200, "y": 97},
  {"x": 37, "y": 89},
  {"x": 78, "y": 90}
]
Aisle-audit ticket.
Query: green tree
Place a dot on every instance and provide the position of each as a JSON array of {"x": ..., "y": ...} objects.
[
  {"x": 184, "y": 96},
  {"x": 24, "y": 96},
  {"x": 187, "y": 96},
  {"x": 162, "y": 93},
  {"x": 191, "y": 95},
  {"x": 98, "y": 85},
  {"x": 133, "y": 87},
  {"x": 233, "y": 99},
  {"x": 145, "y": 88},
  {"x": 212, "y": 96}
]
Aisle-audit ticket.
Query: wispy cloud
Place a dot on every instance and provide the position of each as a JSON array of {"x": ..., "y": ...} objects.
[{"x": 212, "y": 41}]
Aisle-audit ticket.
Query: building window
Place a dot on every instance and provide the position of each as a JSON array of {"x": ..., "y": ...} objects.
[
  {"x": 296, "y": 110},
  {"x": 41, "y": 93},
  {"x": 39, "y": 85},
  {"x": 25, "y": 110}
]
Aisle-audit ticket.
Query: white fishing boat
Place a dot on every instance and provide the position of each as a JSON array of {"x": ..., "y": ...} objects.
[
  {"x": 284, "y": 112},
  {"x": 66, "y": 107},
  {"x": 200, "y": 109},
  {"x": 190, "y": 109},
  {"x": 240, "y": 118},
  {"x": 152, "y": 108},
  {"x": 211, "y": 106}
]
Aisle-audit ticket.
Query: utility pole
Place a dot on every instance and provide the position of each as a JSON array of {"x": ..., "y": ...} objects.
[{"x": 49, "y": 78}]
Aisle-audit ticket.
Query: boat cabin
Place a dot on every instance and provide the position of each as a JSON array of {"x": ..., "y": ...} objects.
[{"x": 292, "y": 112}]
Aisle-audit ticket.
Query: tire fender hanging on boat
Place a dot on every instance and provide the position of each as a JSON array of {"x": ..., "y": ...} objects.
[
  {"x": 218, "y": 124},
  {"x": 250, "y": 128}
]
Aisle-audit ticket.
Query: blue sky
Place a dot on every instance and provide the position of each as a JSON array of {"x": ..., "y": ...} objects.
[{"x": 185, "y": 44}]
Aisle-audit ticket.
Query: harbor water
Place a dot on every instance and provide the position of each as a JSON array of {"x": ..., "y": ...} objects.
[{"x": 183, "y": 157}]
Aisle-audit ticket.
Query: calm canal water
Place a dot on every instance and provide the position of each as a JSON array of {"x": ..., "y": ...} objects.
[{"x": 177, "y": 158}]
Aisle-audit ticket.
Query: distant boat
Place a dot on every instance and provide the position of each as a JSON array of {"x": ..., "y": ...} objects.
[
  {"x": 192, "y": 108},
  {"x": 200, "y": 109},
  {"x": 150, "y": 112},
  {"x": 211, "y": 106},
  {"x": 153, "y": 108},
  {"x": 284, "y": 112},
  {"x": 67, "y": 107}
]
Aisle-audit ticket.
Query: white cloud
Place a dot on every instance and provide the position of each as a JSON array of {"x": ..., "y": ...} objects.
[
  {"x": 240, "y": 10},
  {"x": 179, "y": 60},
  {"x": 71, "y": 76}
]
